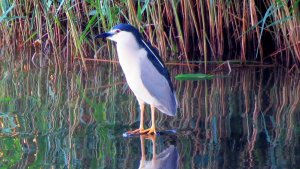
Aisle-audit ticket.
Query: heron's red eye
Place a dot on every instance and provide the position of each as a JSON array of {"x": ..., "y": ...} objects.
[{"x": 118, "y": 30}]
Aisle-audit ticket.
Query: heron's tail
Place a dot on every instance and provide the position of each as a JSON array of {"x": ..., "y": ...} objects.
[{"x": 170, "y": 108}]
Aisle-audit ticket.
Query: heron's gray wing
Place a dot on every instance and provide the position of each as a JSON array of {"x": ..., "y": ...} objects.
[
  {"x": 156, "y": 60},
  {"x": 159, "y": 88}
]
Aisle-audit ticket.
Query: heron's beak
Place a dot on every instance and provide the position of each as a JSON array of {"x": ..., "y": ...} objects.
[{"x": 104, "y": 35}]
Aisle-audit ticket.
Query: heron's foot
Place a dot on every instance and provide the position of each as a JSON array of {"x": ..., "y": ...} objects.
[
  {"x": 151, "y": 130},
  {"x": 136, "y": 131}
]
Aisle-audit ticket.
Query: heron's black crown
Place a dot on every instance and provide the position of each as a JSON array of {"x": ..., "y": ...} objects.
[{"x": 131, "y": 29}]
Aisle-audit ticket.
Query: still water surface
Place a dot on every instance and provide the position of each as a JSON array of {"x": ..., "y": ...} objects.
[{"x": 249, "y": 119}]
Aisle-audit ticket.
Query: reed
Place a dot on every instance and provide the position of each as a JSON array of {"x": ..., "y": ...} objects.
[{"x": 183, "y": 31}]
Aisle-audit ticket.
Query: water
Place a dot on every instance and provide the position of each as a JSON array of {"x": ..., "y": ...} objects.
[{"x": 249, "y": 119}]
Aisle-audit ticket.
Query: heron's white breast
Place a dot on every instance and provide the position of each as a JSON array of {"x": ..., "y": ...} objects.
[{"x": 132, "y": 61}]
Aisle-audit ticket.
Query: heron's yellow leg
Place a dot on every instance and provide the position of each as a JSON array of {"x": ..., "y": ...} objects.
[
  {"x": 152, "y": 129},
  {"x": 142, "y": 110},
  {"x": 142, "y": 106}
]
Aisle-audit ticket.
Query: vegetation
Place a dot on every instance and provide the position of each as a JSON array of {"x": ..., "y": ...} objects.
[{"x": 183, "y": 31}]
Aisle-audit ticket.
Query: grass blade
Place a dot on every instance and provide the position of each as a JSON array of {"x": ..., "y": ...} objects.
[
  {"x": 198, "y": 76},
  {"x": 6, "y": 12}
]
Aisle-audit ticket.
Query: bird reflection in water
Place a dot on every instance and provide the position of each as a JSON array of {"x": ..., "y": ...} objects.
[{"x": 167, "y": 159}]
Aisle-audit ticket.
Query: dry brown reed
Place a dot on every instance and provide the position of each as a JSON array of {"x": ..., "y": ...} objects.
[{"x": 183, "y": 31}]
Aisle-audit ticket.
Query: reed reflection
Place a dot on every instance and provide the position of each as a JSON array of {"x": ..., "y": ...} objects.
[
  {"x": 167, "y": 159},
  {"x": 76, "y": 119}
]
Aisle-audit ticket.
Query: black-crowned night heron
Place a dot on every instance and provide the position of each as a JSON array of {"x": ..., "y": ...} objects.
[{"x": 145, "y": 73}]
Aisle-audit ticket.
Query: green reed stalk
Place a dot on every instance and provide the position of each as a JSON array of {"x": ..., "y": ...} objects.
[
  {"x": 180, "y": 34},
  {"x": 204, "y": 35}
]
